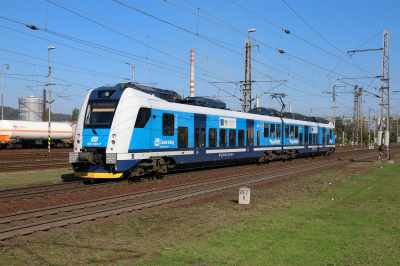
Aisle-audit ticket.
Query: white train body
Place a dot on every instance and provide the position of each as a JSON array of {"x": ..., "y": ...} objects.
[{"x": 14, "y": 131}]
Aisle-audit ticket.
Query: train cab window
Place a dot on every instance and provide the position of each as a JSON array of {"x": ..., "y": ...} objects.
[
  {"x": 222, "y": 137},
  {"x": 232, "y": 137},
  {"x": 258, "y": 138},
  {"x": 168, "y": 125},
  {"x": 296, "y": 132},
  {"x": 182, "y": 137},
  {"x": 241, "y": 138},
  {"x": 272, "y": 130},
  {"x": 203, "y": 137},
  {"x": 212, "y": 137},
  {"x": 286, "y": 131},
  {"x": 266, "y": 130},
  {"x": 300, "y": 138},
  {"x": 292, "y": 131},
  {"x": 197, "y": 137},
  {"x": 278, "y": 131},
  {"x": 142, "y": 117}
]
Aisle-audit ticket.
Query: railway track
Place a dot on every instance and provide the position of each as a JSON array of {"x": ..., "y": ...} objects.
[
  {"x": 28, "y": 222},
  {"x": 70, "y": 187},
  {"x": 16, "y": 161}
]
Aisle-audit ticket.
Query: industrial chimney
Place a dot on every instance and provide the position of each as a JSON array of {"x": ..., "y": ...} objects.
[{"x": 192, "y": 73}]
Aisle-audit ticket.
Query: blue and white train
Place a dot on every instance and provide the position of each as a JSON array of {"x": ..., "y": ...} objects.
[{"x": 128, "y": 130}]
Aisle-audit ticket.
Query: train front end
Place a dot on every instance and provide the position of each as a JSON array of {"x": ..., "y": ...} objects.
[{"x": 104, "y": 129}]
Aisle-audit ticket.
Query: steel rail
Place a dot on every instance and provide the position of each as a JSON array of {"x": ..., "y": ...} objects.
[
  {"x": 51, "y": 189},
  {"x": 91, "y": 215}
]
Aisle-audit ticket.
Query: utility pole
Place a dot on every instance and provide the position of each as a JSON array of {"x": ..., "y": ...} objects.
[
  {"x": 48, "y": 141},
  {"x": 44, "y": 105},
  {"x": 344, "y": 123},
  {"x": 246, "y": 86},
  {"x": 384, "y": 126},
  {"x": 361, "y": 118},
  {"x": 355, "y": 115}
]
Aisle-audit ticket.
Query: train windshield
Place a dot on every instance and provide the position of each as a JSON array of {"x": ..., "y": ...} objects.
[{"x": 100, "y": 114}]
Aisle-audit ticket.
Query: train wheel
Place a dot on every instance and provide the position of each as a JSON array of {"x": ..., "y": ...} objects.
[{"x": 59, "y": 145}]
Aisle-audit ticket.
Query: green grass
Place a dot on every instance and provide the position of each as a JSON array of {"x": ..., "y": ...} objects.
[
  {"x": 32, "y": 178},
  {"x": 333, "y": 218}
]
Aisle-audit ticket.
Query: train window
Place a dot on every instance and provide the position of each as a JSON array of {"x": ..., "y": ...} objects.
[
  {"x": 278, "y": 131},
  {"x": 258, "y": 138},
  {"x": 212, "y": 137},
  {"x": 241, "y": 138},
  {"x": 310, "y": 138},
  {"x": 168, "y": 125},
  {"x": 296, "y": 132},
  {"x": 313, "y": 139},
  {"x": 266, "y": 130},
  {"x": 222, "y": 137},
  {"x": 182, "y": 137},
  {"x": 301, "y": 139},
  {"x": 250, "y": 137},
  {"x": 232, "y": 137},
  {"x": 286, "y": 131},
  {"x": 292, "y": 131},
  {"x": 143, "y": 117},
  {"x": 327, "y": 139},
  {"x": 100, "y": 114},
  {"x": 272, "y": 130},
  {"x": 203, "y": 137},
  {"x": 196, "y": 137}
]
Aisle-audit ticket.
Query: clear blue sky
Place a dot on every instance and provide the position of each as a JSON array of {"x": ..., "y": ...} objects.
[{"x": 94, "y": 51}]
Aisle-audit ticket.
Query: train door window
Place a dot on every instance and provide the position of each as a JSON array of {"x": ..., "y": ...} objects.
[
  {"x": 212, "y": 137},
  {"x": 232, "y": 137},
  {"x": 250, "y": 137},
  {"x": 301, "y": 139},
  {"x": 314, "y": 139},
  {"x": 222, "y": 137},
  {"x": 196, "y": 137},
  {"x": 286, "y": 131},
  {"x": 278, "y": 131},
  {"x": 272, "y": 130},
  {"x": 292, "y": 131},
  {"x": 168, "y": 125},
  {"x": 241, "y": 138},
  {"x": 182, "y": 137},
  {"x": 323, "y": 138},
  {"x": 258, "y": 138},
  {"x": 310, "y": 138},
  {"x": 142, "y": 117},
  {"x": 266, "y": 130},
  {"x": 327, "y": 139},
  {"x": 203, "y": 137},
  {"x": 296, "y": 132}
]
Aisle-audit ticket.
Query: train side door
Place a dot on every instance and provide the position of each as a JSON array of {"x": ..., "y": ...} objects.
[
  {"x": 306, "y": 137},
  {"x": 199, "y": 135},
  {"x": 249, "y": 135}
]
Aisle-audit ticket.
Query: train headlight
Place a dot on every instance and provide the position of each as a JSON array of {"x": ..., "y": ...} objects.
[
  {"x": 78, "y": 135},
  {"x": 111, "y": 158},
  {"x": 114, "y": 136},
  {"x": 113, "y": 142},
  {"x": 78, "y": 141}
]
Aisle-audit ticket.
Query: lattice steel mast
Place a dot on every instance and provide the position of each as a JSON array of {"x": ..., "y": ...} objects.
[{"x": 384, "y": 125}]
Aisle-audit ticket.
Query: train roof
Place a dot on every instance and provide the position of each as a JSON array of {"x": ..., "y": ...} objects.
[
  {"x": 203, "y": 101},
  {"x": 167, "y": 95}
]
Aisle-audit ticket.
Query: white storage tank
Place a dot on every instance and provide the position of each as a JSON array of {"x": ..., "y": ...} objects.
[{"x": 30, "y": 108}]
